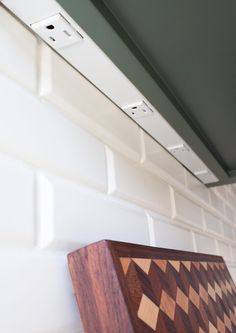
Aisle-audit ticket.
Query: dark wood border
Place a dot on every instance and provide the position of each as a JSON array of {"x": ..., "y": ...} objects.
[{"x": 98, "y": 279}]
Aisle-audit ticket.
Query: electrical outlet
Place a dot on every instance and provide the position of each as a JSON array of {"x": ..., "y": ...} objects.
[
  {"x": 57, "y": 31},
  {"x": 138, "y": 110}
]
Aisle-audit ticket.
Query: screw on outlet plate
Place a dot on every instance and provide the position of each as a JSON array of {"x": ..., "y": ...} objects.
[
  {"x": 138, "y": 110},
  {"x": 57, "y": 31}
]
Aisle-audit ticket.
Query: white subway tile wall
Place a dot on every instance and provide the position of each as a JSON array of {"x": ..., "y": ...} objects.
[
  {"x": 17, "y": 197},
  {"x": 216, "y": 202},
  {"x": 205, "y": 244},
  {"x": 186, "y": 211},
  {"x": 130, "y": 181},
  {"x": 75, "y": 169},
  {"x": 213, "y": 224},
  {"x": 172, "y": 236},
  {"x": 195, "y": 187},
  {"x": 18, "y": 52},
  {"x": 81, "y": 216},
  {"x": 36, "y": 293},
  {"x": 37, "y": 132},
  {"x": 225, "y": 251}
]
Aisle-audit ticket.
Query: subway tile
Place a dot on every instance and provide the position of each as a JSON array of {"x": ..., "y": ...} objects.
[
  {"x": 40, "y": 134},
  {"x": 82, "y": 101},
  {"x": 18, "y": 51},
  {"x": 131, "y": 182},
  {"x": 36, "y": 290},
  {"x": 157, "y": 158},
  {"x": 186, "y": 211},
  {"x": 233, "y": 189},
  {"x": 197, "y": 188},
  {"x": 229, "y": 213},
  {"x": 17, "y": 203},
  {"x": 172, "y": 236},
  {"x": 232, "y": 271},
  {"x": 205, "y": 244},
  {"x": 72, "y": 215},
  {"x": 233, "y": 250},
  {"x": 213, "y": 223},
  {"x": 216, "y": 202},
  {"x": 221, "y": 191},
  {"x": 232, "y": 200},
  {"x": 225, "y": 251},
  {"x": 228, "y": 231}
]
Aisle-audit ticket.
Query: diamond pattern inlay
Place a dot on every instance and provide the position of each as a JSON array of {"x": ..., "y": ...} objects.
[
  {"x": 167, "y": 305},
  {"x": 148, "y": 312},
  {"x": 184, "y": 293},
  {"x": 182, "y": 300}
]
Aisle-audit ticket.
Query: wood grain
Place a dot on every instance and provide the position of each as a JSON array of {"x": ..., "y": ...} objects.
[{"x": 128, "y": 288}]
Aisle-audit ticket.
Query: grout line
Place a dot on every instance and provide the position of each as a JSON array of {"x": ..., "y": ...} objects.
[
  {"x": 185, "y": 180},
  {"x": 204, "y": 220},
  {"x": 217, "y": 247},
  {"x": 172, "y": 201},
  {"x": 35, "y": 211},
  {"x": 194, "y": 241},
  {"x": 38, "y": 66},
  {"x": 111, "y": 176},
  {"x": 44, "y": 85},
  {"x": 151, "y": 230},
  {"x": 142, "y": 147},
  {"x": 45, "y": 211}
]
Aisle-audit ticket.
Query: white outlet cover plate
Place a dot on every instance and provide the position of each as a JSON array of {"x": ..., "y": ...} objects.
[
  {"x": 138, "y": 110},
  {"x": 57, "y": 31}
]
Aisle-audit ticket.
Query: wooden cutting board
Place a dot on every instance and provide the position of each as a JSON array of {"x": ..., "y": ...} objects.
[{"x": 128, "y": 288}]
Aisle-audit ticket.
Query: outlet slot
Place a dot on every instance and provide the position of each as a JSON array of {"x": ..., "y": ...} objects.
[
  {"x": 67, "y": 33},
  {"x": 50, "y": 27}
]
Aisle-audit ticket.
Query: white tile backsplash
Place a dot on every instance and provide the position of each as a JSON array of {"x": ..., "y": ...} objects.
[
  {"x": 233, "y": 251},
  {"x": 130, "y": 181},
  {"x": 221, "y": 191},
  {"x": 17, "y": 212},
  {"x": 216, "y": 202},
  {"x": 18, "y": 51},
  {"x": 205, "y": 244},
  {"x": 232, "y": 200},
  {"x": 196, "y": 187},
  {"x": 225, "y": 251},
  {"x": 228, "y": 231},
  {"x": 36, "y": 290},
  {"x": 213, "y": 223},
  {"x": 186, "y": 211},
  {"x": 98, "y": 176},
  {"x": 229, "y": 213},
  {"x": 81, "y": 216},
  {"x": 172, "y": 236},
  {"x": 40, "y": 134}
]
